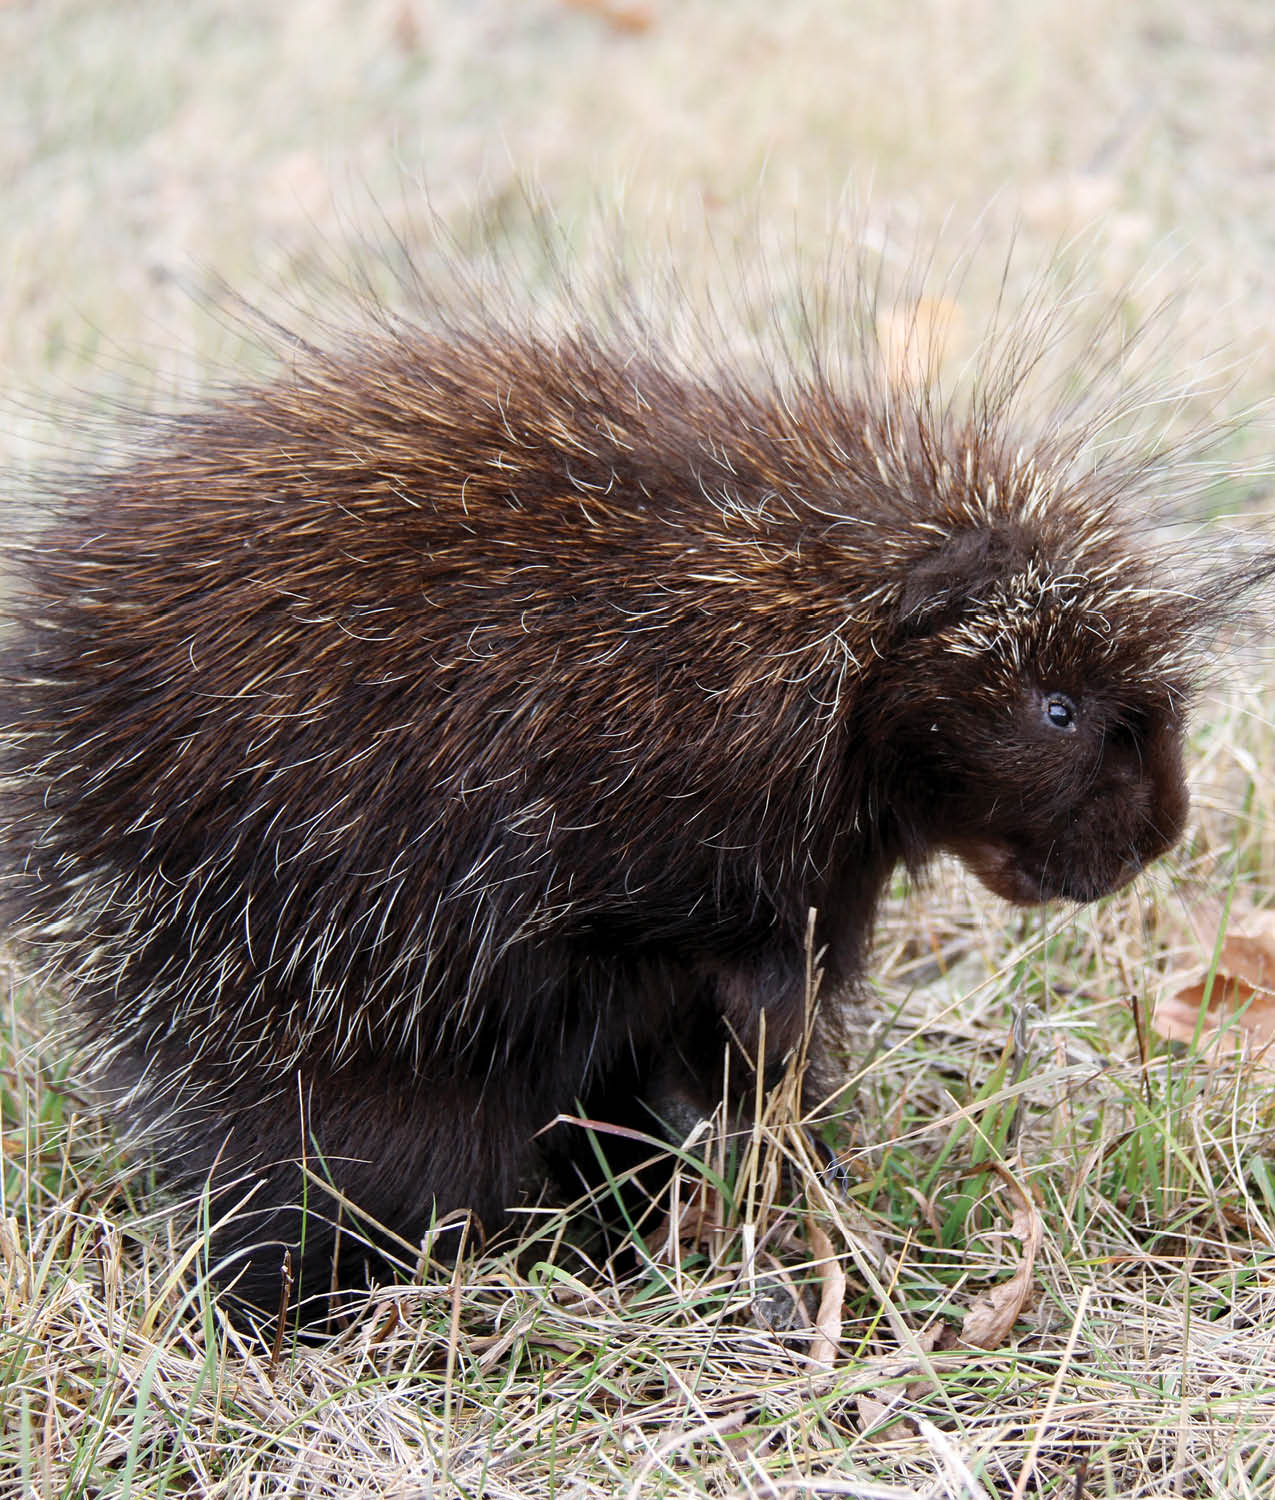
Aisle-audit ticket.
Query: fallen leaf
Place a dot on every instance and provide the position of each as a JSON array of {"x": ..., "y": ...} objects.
[
  {"x": 629, "y": 19},
  {"x": 1239, "y": 1013},
  {"x": 992, "y": 1314},
  {"x": 827, "y": 1336},
  {"x": 405, "y": 28},
  {"x": 917, "y": 339},
  {"x": 886, "y": 1404}
]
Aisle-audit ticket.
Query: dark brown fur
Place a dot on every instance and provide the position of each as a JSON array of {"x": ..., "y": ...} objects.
[{"x": 464, "y": 724}]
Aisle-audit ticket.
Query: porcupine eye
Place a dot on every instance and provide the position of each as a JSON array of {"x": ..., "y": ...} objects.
[{"x": 1059, "y": 712}]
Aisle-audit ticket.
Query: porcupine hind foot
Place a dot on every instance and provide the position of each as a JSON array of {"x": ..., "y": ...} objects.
[{"x": 344, "y": 1169}]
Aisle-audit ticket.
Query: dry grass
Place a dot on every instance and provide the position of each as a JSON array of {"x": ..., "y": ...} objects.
[
  {"x": 1005, "y": 1060},
  {"x": 1142, "y": 1359}
]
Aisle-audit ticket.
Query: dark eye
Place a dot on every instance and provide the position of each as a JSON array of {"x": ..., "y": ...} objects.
[{"x": 1059, "y": 712}]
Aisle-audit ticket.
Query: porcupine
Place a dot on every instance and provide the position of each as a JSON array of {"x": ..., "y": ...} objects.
[{"x": 462, "y": 724}]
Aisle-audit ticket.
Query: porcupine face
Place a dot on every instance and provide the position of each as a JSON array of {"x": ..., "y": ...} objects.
[
  {"x": 1072, "y": 793},
  {"x": 1056, "y": 706}
]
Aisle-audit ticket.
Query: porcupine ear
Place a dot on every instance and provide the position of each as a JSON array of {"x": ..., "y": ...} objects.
[{"x": 941, "y": 582}]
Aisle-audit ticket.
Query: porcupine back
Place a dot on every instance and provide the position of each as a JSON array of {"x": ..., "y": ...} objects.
[{"x": 463, "y": 724}]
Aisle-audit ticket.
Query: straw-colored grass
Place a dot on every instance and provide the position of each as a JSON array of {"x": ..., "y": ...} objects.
[{"x": 1140, "y": 1363}]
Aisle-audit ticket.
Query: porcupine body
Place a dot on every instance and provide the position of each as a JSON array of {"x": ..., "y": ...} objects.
[{"x": 463, "y": 724}]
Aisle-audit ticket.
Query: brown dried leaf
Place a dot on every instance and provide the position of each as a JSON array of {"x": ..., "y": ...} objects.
[
  {"x": 827, "y": 1336},
  {"x": 873, "y": 1412},
  {"x": 993, "y": 1313},
  {"x": 875, "y": 1407},
  {"x": 700, "y": 1222},
  {"x": 632, "y": 20},
  {"x": 916, "y": 340},
  {"x": 1240, "y": 1009}
]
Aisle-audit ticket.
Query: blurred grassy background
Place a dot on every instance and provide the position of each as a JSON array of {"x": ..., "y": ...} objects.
[{"x": 145, "y": 147}]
